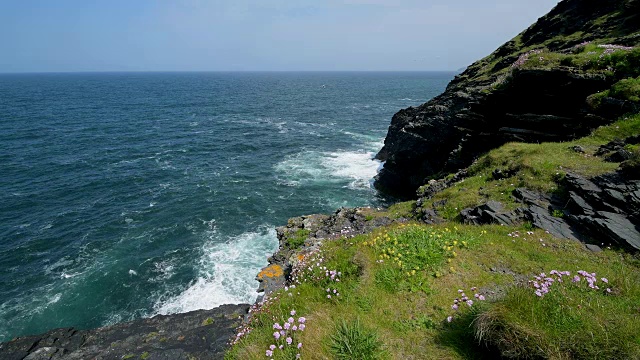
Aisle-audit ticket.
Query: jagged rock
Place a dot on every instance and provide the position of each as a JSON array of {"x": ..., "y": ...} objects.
[
  {"x": 619, "y": 155},
  {"x": 490, "y": 213},
  {"x": 435, "y": 186},
  {"x": 484, "y": 107},
  {"x": 601, "y": 210},
  {"x": 202, "y": 334}
]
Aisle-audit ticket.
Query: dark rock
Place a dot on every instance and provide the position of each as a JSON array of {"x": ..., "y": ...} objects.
[
  {"x": 619, "y": 155},
  {"x": 490, "y": 213},
  {"x": 594, "y": 248},
  {"x": 202, "y": 334},
  {"x": 601, "y": 210},
  {"x": 578, "y": 149},
  {"x": 483, "y": 108},
  {"x": 499, "y": 174}
]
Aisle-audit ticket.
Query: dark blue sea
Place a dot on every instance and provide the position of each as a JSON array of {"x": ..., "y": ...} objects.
[{"x": 125, "y": 195}]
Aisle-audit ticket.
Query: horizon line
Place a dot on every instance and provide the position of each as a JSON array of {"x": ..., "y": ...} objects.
[{"x": 218, "y": 71}]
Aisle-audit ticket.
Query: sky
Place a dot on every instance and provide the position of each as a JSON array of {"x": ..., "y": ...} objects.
[{"x": 257, "y": 35}]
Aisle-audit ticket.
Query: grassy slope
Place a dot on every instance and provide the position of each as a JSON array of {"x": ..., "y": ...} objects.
[{"x": 398, "y": 284}]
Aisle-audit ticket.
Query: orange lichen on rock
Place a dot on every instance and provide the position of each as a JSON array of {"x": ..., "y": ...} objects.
[{"x": 271, "y": 271}]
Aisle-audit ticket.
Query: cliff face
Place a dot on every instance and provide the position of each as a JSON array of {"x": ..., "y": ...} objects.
[{"x": 534, "y": 88}]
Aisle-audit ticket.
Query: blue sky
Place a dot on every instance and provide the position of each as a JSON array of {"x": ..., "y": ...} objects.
[{"x": 250, "y": 35}]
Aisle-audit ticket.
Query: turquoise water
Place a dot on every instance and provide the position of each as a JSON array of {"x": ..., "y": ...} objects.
[{"x": 125, "y": 195}]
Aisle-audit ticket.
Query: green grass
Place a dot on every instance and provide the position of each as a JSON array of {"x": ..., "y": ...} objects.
[
  {"x": 398, "y": 283},
  {"x": 410, "y": 322},
  {"x": 297, "y": 239},
  {"x": 538, "y": 167},
  {"x": 626, "y": 89},
  {"x": 353, "y": 341}
]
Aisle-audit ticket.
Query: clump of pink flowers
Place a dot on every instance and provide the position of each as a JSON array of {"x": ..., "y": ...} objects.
[
  {"x": 285, "y": 335},
  {"x": 542, "y": 283},
  {"x": 463, "y": 299},
  {"x": 525, "y": 57}
]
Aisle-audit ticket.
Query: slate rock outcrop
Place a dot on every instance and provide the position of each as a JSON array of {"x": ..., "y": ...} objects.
[
  {"x": 201, "y": 334},
  {"x": 604, "y": 210}
]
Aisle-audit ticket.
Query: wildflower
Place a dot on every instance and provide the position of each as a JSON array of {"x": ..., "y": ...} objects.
[
  {"x": 272, "y": 347},
  {"x": 299, "y": 345},
  {"x": 289, "y": 340},
  {"x": 291, "y": 320},
  {"x": 293, "y": 312},
  {"x": 301, "y": 327},
  {"x": 276, "y": 335},
  {"x": 269, "y": 353},
  {"x": 481, "y": 297},
  {"x": 302, "y": 320},
  {"x": 277, "y": 326},
  {"x": 469, "y": 302},
  {"x": 454, "y": 306},
  {"x": 328, "y": 296},
  {"x": 605, "y": 280},
  {"x": 287, "y": 326},
  {"x": 449, "y": 318}
]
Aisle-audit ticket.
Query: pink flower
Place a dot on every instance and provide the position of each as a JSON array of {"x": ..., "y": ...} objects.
[
  {"x": 293, "y": 312},
  {"x": 454, "y": 306},
  {"x": 272, "y": 347},
  {"x": 287, "y": 326},
  {"x": 269, "y": 353},
  {"x": 299, "y": 345},
  {"x": 289, "y": 341},
  {"x": 481, "y": 297},
  {"x": 301, "y": 327},
  {"x": 449, "y": 318},
  {"x": 302, "y": 320},
  {"x": 605, "y": 280},
  {"x": 276, "y": 335}
]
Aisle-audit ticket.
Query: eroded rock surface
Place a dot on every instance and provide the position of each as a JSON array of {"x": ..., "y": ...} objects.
[{"x": 202, "y": 334}]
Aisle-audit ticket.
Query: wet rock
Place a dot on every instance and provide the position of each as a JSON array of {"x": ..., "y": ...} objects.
[{"x": 202, "y": 334}]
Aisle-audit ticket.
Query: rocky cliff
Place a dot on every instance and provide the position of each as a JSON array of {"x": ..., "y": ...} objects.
[
  {"x": 202, "y": 334},
  {"x": 549, "y": 83}
]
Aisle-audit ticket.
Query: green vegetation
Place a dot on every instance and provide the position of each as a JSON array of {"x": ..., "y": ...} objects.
[
  {"x": 401, "y": 291},
  {"x": 535, "y": 166},
  {"x": 352, "y": 341},
  {"x": 626, "y": 89},
  {"x": 297, "y": 240}
]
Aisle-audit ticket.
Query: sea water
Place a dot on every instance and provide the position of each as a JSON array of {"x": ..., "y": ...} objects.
[{"x": 125, "y": 195}]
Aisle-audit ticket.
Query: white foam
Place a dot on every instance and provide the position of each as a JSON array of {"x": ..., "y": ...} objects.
[
  {"x": 356, "y": 167},
  {"x": 227, "y": 273}
]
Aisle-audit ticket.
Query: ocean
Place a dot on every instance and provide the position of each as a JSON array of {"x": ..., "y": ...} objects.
[{"x": 126, "y": 195}]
